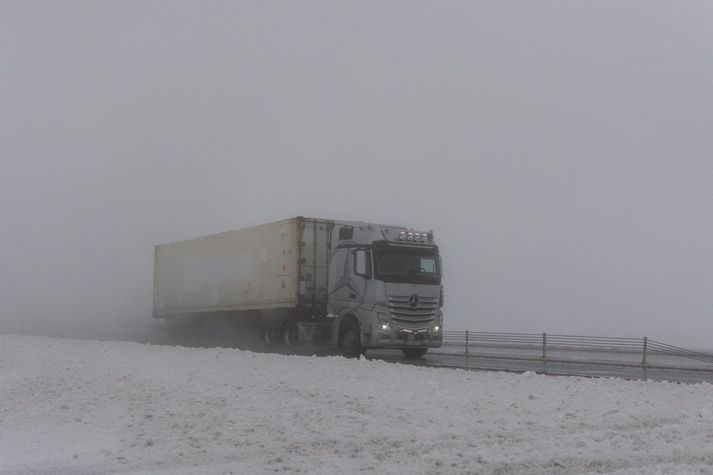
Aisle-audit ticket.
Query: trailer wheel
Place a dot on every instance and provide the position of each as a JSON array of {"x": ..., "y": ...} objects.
[
  {"x": 413, "y": 353},
  {"x": 290, "y": 333},
  {"x": 270, "y": 335},
  {"x": 350, "y": 339}
]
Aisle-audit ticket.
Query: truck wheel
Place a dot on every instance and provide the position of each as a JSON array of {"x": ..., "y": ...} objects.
[
  {"x": 270, "y": 336},
  {"x": 350, "y": 340},
  {"x": 413, "y": 353},
  {"x": 290, "y": 333}
]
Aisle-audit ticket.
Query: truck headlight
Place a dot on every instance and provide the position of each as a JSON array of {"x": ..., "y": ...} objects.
[
  {"x": 383, "y": 319},
  {"x": 436, "y": 328}
]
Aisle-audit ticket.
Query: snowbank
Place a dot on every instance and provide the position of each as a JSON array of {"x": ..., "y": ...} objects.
[{"x": 69, "y": 406}]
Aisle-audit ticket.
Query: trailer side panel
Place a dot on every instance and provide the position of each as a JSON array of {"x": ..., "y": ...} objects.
[{"x": 249, "y": 269}]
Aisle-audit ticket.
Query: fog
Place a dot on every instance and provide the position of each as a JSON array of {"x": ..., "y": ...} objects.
[{"x": 561, "y": 151}]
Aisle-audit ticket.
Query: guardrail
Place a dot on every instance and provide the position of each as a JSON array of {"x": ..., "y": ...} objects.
[{"x": 554, "y": 347}]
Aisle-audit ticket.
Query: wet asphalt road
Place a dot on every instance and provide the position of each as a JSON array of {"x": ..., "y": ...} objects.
[
  {"x": 560, "y": 362},
  {"x": 504, "y": 359}
]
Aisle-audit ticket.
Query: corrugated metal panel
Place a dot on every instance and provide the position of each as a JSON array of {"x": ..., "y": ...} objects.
[{"x": 251, "y": 268}]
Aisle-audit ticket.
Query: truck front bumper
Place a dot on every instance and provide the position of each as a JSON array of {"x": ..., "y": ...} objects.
[{"x": 395, "y": 337}]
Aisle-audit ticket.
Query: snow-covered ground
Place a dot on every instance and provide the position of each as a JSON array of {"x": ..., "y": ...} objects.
[{"x": 71, "y": 406}]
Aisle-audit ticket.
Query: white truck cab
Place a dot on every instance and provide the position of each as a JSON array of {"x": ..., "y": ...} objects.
[{"x": 387, "y": 280}]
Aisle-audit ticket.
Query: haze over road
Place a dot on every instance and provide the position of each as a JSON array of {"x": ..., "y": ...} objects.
[{"x": 561, "y": 151}]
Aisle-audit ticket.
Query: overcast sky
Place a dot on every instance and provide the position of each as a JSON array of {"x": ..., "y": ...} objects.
[{"x": 562, "y": 151}]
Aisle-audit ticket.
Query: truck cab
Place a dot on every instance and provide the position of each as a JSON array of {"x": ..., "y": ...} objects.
[{"x": 385, "y": 288}]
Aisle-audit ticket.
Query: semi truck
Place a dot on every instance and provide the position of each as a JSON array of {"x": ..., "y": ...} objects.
[{"x": 307, "y": 282}]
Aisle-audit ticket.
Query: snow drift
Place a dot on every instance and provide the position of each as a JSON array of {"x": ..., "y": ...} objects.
[{"x": 69, "y": 406}]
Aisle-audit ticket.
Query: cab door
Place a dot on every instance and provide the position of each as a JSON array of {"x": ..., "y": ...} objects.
[{"x": 351, "y": 268}]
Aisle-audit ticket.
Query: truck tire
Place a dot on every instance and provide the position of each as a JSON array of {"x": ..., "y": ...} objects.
[
  {"x": 413, "y": 353},
  {"x": 270, "y": 336},
  {"x": 350, "y": 339},
  {"x": 290, "y": 333}
]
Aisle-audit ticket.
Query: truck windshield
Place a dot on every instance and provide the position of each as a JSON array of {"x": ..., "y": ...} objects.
[{"x": 406, "y": 266}]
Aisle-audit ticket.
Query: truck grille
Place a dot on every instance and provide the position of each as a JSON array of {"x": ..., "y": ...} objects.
[{"x": 419, "y": 316}]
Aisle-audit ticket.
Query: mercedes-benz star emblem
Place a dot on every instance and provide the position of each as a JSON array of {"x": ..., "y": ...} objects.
[{"x": 413, "y": 300}]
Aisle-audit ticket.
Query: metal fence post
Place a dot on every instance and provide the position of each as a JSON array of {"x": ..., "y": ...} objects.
[
  {"x": 544, "y": 346},
  {"x": 466, "y": 342},
  {"x": 646, "y": 345}
]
